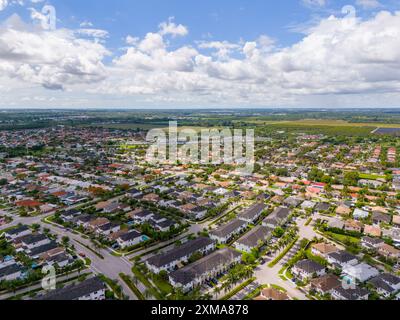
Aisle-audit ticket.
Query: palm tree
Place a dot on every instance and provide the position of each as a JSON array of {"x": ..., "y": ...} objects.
[{"x": 147, "y": 294}]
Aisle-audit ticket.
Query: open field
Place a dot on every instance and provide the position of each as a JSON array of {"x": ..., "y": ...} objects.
[{"x": 325, "y": 122}]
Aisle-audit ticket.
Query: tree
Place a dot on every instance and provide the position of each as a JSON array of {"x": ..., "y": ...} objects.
[
  {"x": 351, "y": 178},
  {"x": 65, "y": 241},
  {"x": 36, "y": 227}
]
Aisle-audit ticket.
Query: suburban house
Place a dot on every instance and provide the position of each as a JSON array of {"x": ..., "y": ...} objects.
[
  {"x": 255, "y": 238},
  {"x": 168, "y": 261},
  {"x": 323, "y": 249},
  {"x": 90, "y": 289},
  {"x": 357, "y": 293},
  {"x": 371, "y": 243},
  {"x": 32, "y": 241},
  {"x": 322, "y": 207},
  {"x": 386, "y": 284},
  {"x": 130, "y": 239},
  {"x": 134, "y": 193},
  {"x": 353, "y": 225},
  {"x": 11, "y": 272},
  {"x": 325, "y": 284},
  {"x": 272, "y": 294},
  {"x": 308, "y": 269},
  {"x": 210, "y": 266},
  {"x": 361, "y": 272},
  {"x": 107, "y": 229},
  {"x": 388, "y": 251},
  {"x": 360, "y": 214},
  {"x": 226, "y": 232},
  {"x": 17, "y": 233},
  {"x": 340, "y": 259},
  {"x": 379, "y": 217},
  {"x": 69, "y": 215}
]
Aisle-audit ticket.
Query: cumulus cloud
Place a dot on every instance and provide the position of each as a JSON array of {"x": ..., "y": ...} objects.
[
  {"x": 52, "y": 59},
  {"x": 171, "y": 28},
  {"x": 342, "y": 60},
  {"x": 3, "y": 4},
  {"x": 339, "y": 56}
]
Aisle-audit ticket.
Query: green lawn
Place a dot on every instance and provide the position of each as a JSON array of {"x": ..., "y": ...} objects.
[
  {"x": 371, "y": 176},
  {"x": 343, "y": 238}
]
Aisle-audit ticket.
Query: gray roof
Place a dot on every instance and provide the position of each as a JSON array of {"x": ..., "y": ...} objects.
[
  {"x": 252, "y": 238},
  {"x": 42, "y": 249},
  {"x": 180, "y": 252},
  {"x": 75, "y": 291},
  {"x": 17, "y": 230},
  {"x": 130, "y": 235},
  {"x": 228, "y": 228},
  {"x": 253, "y": 212},
  {"x": 221, "y": 257},
  {"x": 322, "y": 206},
  {"x": 309, "y": 266},
  {"x": 351, "y": 294},
  {"x": 342, "y": 256},
  {"x": 11, "y": 269},
  {"x": 33, "y": 238},
  {"x": 278, "y": 215}
]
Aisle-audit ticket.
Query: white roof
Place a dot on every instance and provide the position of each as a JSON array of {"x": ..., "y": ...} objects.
[{"x": 361, "y": 271}]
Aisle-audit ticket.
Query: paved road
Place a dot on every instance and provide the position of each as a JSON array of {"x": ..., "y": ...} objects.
[{"x": 111, "y": 266}]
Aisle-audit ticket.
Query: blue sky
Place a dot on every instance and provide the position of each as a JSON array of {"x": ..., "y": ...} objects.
[
  {"x": 272, "y": 34},
  {"x": 228, "y": 20}
]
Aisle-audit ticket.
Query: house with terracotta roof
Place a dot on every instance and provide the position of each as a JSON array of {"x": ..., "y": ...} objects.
[
  {"x": 353, "y": 225},
  {"x": 325, "y": 284},
  {"x": 373, "y": 231},
  {"x": 272, "y": 294},
  {"x": 389, "y": 251},
  {"x": 323, "y": 249}
]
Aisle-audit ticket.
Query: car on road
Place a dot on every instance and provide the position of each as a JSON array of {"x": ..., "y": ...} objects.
[{"x": 81, "y": 254}]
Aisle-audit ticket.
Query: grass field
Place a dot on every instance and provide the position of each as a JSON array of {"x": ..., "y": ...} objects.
[
  {"x": 326, "y": 122},
  {"x": 371, "y": 176}
]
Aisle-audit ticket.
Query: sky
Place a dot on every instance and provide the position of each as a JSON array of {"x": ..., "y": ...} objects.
[{"x": 199, "y": 54}]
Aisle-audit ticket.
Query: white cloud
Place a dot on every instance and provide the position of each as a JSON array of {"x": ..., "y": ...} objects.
[
  {"x": 339, "y": 57},
  {"x": 171, "y": 28},
  {"x": 368, "y": 4},
  {"x": 52, "y": 59},
  {"x": 3, "y": 4},
  {"x": 339, "y": 62}
]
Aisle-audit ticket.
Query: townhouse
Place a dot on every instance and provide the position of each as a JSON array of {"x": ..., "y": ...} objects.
[
  {"x": 210, "y": 266},
  {"x": 168, "y": 261},
  {"x": 254, "y": 239},
  {"x": 90, "y": 289},
  {"x": 277, "y": 218},
  {"x": 225, "y": 233},
  {"x": 252, "y": 214}
]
